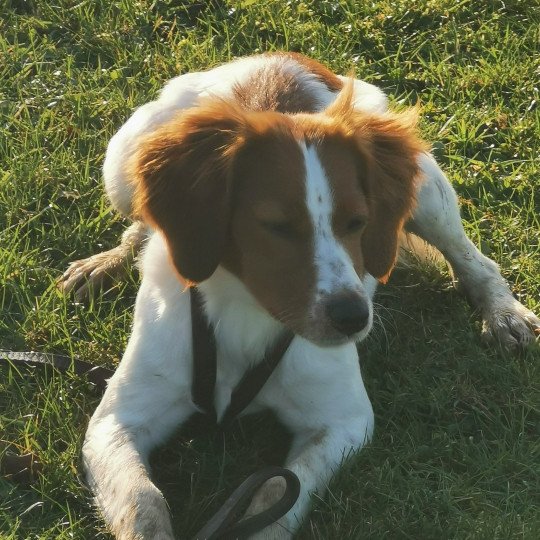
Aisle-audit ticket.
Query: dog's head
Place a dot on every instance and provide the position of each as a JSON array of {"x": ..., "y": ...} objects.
[{"x": 298, "y": 207}]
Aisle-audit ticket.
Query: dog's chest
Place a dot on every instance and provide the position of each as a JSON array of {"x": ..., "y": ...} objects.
[{"x": 242, "y": 337}]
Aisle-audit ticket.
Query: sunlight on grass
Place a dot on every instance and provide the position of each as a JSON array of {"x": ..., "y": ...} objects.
[{"x": 456, "y": 451}]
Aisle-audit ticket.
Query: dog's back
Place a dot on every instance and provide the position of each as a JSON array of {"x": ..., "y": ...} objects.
[{"x": 284, "y": 82}]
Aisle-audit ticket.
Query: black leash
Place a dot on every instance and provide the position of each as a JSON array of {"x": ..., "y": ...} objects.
[
  {"x": 205, "y": 362},
  {"x": 227, "y": 523},
  {"x": 95, "y": 374},
  {"x": 224, "y": 524},
  {"x": 204, "y": 356}
]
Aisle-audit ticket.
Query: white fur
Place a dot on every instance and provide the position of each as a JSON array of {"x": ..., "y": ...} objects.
[
  {"x": 335, "y": 270},
  {"x": 316, "y": 392}
]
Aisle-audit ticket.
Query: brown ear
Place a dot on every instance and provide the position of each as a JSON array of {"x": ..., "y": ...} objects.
[
  {"x": 390, "y": 184},
  {"x": 183, "y": 175}
]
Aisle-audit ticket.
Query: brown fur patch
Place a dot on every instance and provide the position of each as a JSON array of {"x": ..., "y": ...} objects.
[
  {"x": 331, "y": 80},
  {"x": 271, "y": 89},
  {"x": 386, "y": 148},
  {"x": 340, "y": 161},
  {"x": 391, "y": 183},
  {"x": 217, "y": 181},
  {"x": 276, "y": 266},
  {"x": 184, "y": 182}
]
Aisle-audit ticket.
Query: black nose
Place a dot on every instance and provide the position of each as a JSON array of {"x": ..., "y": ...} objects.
[{"x": 348, "y": 314}]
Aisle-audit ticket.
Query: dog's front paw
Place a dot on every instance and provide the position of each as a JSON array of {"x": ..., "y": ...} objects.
[
  {"x": 277, "y": 531},
  {"x": 86, "y": 276},
  {"x": 270, "y": 492},
  {"x": 146, "y": 517},
  {"x": 511, "y": 324}
]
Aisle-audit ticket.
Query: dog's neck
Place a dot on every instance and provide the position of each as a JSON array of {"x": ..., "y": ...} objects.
[
  {"x": 242, "y": 326},
  {"x": 243, "y": 330}
]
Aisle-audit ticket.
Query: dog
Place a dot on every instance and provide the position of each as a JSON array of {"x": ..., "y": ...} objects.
[{"x": 280, "y": 191}]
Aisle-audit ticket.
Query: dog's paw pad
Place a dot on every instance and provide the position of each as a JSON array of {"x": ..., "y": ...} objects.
[
  {"x": 512, "y": 325},
  {"x": 270, "y": 492}
]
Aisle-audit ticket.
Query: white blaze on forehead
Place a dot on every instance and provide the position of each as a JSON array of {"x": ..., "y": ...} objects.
[{"x": 335, "y": 270}]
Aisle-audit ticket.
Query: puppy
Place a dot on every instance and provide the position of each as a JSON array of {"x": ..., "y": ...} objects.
[{"x": 279, "y": 190}]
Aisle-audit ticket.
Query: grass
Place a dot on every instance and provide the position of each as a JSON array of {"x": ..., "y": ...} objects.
[{"x": 456, "y": 451}]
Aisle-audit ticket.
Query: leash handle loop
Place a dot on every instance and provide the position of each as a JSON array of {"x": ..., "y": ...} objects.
[{"x": 224, "y": 524}]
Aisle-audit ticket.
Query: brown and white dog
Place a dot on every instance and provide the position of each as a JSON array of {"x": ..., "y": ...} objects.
[{"x": 280, "y": 190}]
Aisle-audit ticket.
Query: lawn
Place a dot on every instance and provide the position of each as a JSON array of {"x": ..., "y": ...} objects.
[{"x": 456, "y": 452}]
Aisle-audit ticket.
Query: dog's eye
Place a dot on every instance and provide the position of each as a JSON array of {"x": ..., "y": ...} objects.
[
  {"x": 355, "y": 224},
  {"x": 283, "y": 229}
]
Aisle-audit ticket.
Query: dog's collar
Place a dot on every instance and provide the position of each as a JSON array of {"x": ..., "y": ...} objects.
[{"x": 204, "y": 365}]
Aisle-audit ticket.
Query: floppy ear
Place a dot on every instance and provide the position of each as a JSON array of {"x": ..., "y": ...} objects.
[
  {"x": 183, "y": 184},
  {"x": 390, "y": 183},
  {"x": 388, "y": 148}
]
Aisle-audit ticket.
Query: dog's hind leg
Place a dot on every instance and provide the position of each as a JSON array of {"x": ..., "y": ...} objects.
[
  {"x": 437, "y": 220},
  {"x": 87, "y": 276}
]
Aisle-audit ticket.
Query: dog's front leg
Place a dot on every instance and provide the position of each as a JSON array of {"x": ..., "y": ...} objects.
[
  {"x": 437, "y": 220},
  {"x": 115, "y": 459},
  {"x": 148, "y": 397},
  {"x": 315, "y": 457},
  {"x": 326, "y": 407}
]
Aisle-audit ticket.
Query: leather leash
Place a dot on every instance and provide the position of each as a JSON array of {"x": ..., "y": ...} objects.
[
  {"x": 226, "y": 524},
  {"x": 223, "y": 525},
  {"x": 205, "y": 363},
  {"x": 95, "y": 374}
]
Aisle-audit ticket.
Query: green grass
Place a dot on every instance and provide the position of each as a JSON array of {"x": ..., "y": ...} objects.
[{"x": 456, "y": 452}]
